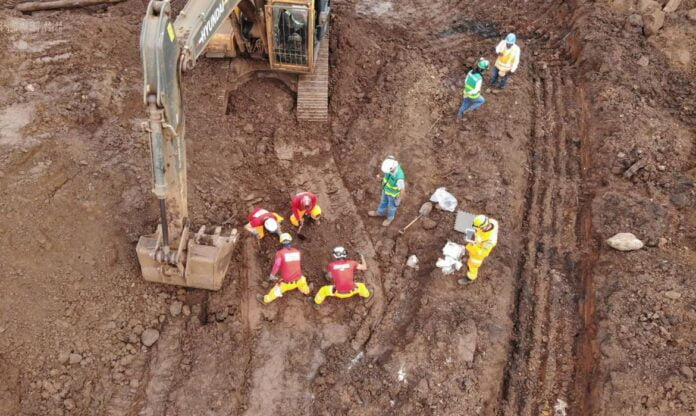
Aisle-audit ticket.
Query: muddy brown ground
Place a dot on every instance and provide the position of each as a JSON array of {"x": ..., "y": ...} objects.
[{"x": 555, "y": 317}]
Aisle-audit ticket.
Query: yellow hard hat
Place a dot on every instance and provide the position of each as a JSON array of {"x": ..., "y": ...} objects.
[
  {"x": 480, "y": 221},
  {"x": 285, "y": 238}
]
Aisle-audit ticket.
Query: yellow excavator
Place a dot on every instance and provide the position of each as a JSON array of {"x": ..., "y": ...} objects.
[{"x": 284, "y": 39}]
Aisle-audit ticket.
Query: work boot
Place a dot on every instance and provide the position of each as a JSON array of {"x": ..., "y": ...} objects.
[
  {"x": 465, "y": 281},
  {"x": 387, "y": 222},
  {"x": 259, "y": 298},
  {"x": 373, "y": 214}
]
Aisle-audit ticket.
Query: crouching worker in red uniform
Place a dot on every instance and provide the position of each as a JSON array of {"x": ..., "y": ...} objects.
[
  {"x": 261, "y": 220},
  {"x": 341, "y": 272},
  {"x": 289, "y": 261},
  {"x": 304, "y": 203}
]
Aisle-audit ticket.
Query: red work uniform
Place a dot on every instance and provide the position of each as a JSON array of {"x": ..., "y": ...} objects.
[
  {"x": 259, "y": 215},
  {"x": 342, "y": 272},
  {"x": 288, "y": 261},
  {"x": 298, "y": 209}
]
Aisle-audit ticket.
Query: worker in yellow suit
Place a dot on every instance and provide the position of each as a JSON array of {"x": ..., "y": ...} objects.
[
  {"x": 485, "y": 238},
  {"x": 507, "y": 62}
]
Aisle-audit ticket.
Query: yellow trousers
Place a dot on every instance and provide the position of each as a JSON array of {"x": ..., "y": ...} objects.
[
  {"x": 282, "y": 287},
  {"x": 474, "y": 261},
  {"x": 314, "y": 213},
  {"x": 329, "y": 290}
]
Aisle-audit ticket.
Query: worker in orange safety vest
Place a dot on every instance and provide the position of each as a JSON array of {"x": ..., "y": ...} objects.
[
  {"x": 507, "y": 62},
  {"x": 288, "y": 261},
  {"x": 261, "y": 220}
]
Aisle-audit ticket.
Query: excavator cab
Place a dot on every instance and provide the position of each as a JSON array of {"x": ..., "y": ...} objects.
[{"x": 294, "y": 29}]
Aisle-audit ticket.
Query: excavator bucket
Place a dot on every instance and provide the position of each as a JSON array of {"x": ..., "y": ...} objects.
[{"x": 207, "y": 259}]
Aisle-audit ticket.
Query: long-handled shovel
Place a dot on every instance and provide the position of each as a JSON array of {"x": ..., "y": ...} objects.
[{"x": 424, "y": 211}]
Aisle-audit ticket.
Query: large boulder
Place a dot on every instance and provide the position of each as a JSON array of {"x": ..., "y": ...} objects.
[{"x": 653, "y": 22}]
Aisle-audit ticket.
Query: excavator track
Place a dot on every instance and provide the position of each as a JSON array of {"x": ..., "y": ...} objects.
[{"x": 313, "y": 90}]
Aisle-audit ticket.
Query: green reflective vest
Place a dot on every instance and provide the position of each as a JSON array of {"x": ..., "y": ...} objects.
[
  {"x": 389, "y": 182},
  {"x": 472, "y": 84}
]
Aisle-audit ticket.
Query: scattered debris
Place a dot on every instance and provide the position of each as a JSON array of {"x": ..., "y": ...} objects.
[
  {"x": 175, "y": 308},
  {"x": 644, "y": 61},
  {"x": 445, "y": 200},
  {"x": 559, "y": 409},
  {"x": 412, "y": 261},
  {"x": 356, "y": 359},
  {"x": 625, "y": 242},
  {"x": 453, "y": 252},
  {"x": 402, "y": 374},
  {"x": 640, "y": 164}
]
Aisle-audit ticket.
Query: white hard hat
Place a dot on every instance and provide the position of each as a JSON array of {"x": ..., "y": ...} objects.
[
  {"x": 389, "y": 165},
  {"x": 271, "y": 225}
]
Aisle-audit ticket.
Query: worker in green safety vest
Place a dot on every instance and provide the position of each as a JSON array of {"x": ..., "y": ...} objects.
[
  {"x": 393, "y": 186},
  {"x": 472, "y": 89}
]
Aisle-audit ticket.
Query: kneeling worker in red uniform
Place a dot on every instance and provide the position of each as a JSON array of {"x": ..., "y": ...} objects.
[
  {"x": 304, "y": 203},
  {"x": 341, "y": 272},
  {"x": 261, "y": 220},
  {"x": 289, "y": 261}
]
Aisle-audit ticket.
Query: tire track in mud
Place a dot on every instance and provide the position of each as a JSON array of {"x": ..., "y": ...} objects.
[{"x": 541, "y": 364}]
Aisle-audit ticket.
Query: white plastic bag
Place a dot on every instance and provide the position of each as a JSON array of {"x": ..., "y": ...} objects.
[
  {"x": 445, "y": 200},
  {"x": 412, "y": 261},
  {"x": 454, "y": 250}
]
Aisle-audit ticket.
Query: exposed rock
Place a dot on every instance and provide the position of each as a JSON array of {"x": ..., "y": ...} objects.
[
  {"x": 69, "y": 404},
  {"x": 135, "y": 383},
  {"x": 692, "y": 15},
  {"x": 625, "y": 242},
  {"x": 222, "y": 315},
  {"x": 687, "y": 372},
  {"x": 648, "y": 5},
  {"x": 29, "y": 88},
  {"x": 75, "y": 358},
  {"x": 644, "y": 61},
  {"x": 149, "y": 337},
  {"x": 635, "y": 20},
  {"x": 672, "y": 6},
  {"x": 175, "y": 308},
  {"x": 653, "y": 22},
  {"x": 248, "y": 128},
  {"x": 428, "y": 224},
  {"x": 186, "y": 310},
  {"x": 671, "y": 294},
  {"x": 63, "y": 357},
  {"x": 138, "y": 329}
]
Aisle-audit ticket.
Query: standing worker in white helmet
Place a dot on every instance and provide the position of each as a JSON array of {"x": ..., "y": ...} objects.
[
  {"x": 393, "y": 186},
  {"x": 485, "y": 239},
  {"x": 472, "y": 89},
  {"x": 507, "y": 62}
]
